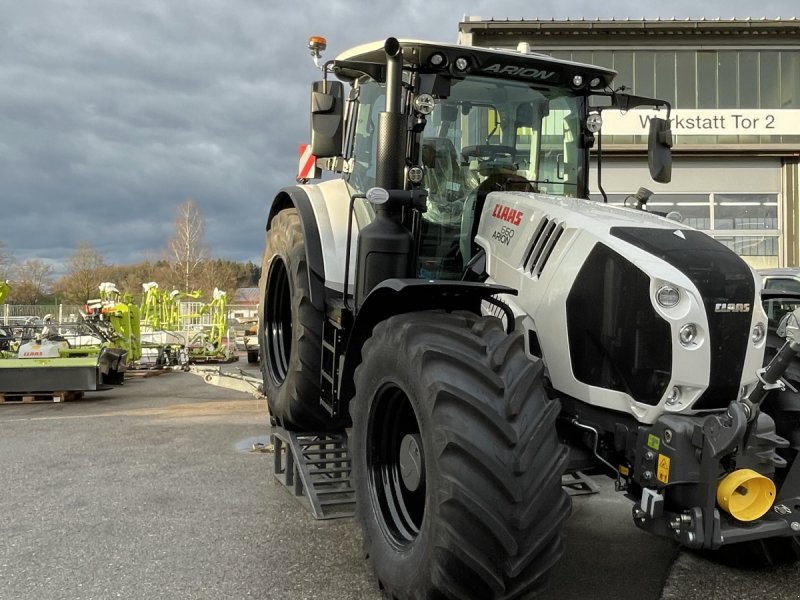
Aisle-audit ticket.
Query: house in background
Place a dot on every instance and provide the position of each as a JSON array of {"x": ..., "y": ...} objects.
[{"x": 244, "y": 304}]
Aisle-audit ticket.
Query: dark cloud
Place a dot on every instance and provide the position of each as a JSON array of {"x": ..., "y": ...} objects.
[{"x": 113, "y": 113}]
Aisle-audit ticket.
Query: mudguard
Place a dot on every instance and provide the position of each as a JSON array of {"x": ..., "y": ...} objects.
[
  {"x": 395, "y": 296},
  {"x": 323, "y": 209}
]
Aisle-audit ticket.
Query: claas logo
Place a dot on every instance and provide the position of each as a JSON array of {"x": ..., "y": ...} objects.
[
  {"x": 504, "y": 213},
  {"x": 722, "y": 307}
]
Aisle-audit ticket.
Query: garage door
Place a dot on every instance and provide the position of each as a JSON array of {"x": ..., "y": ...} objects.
[{"x": 736, "y": 200}]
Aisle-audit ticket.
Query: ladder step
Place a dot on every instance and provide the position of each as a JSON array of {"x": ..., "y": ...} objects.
[
  {"x": 323, "y": 442},
  {"x": 327, "y": 445},
  {"x": 322, "y": 471},
  {"x": 332, "y": 470},
  {"x": 322, "y": 452},
  {"x": 331, "y": 481},
  {"x": 332, "y": 486},
  {"x": 337, "y": 502}
]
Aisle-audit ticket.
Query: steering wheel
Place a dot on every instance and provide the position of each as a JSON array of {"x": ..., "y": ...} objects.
[{"x": 487, "y": 151}]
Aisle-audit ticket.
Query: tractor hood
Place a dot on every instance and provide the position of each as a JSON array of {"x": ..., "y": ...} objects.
[{"x": 659, "y": 317}]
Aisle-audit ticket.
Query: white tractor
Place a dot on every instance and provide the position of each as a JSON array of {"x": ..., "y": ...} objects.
[{"x": 455, "y": 301}]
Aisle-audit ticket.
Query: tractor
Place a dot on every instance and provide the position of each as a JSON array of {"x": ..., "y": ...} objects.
[{"x": 450, "y": 298}]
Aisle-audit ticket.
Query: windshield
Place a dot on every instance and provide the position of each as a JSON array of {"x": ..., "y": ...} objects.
[
  {"x": 491, "y": 135},
  {"x": 486, "y": 135}
]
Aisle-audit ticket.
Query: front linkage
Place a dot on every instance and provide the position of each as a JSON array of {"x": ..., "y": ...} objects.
[{"x": 718, "y": 480}]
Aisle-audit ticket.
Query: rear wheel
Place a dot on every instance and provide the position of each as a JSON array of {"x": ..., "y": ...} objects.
[
  {"x": 290, "y": 332},
  {"x": 457, "y": 464}
]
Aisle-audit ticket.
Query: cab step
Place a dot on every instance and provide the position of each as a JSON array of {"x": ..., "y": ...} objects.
[{"x": 316, "y": 466}]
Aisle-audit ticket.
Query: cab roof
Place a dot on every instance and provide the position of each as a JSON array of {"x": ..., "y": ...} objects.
[{"x": 370, "y": 59}]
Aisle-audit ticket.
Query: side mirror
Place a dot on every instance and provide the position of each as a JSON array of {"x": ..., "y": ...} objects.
[
  {"x": 327, "y": 118},
  {"x": 659, "y": 150}
]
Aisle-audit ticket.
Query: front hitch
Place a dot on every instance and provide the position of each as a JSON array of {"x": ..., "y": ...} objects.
[
  {"x": 710, "y": 485},
  {"x": 712, "y": 480}
]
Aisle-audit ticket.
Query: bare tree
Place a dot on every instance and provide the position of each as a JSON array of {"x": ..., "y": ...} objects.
[
  {"x": 6, "y": 262},
  {"x": 129, "y": 278},
  {"x": 86, "y": 270},
  {"x": 221, "y": 274},
  {"x": 187, "y": 247},
  {"x": 32, "y": 280}
]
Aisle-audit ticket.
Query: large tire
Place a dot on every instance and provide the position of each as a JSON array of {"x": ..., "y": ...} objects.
[
  {"x": 456, "y": 460},
  {"x": 290, "y": 332}
]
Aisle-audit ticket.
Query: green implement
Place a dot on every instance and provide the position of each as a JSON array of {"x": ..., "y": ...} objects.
[{"x": 76, "y": 373}]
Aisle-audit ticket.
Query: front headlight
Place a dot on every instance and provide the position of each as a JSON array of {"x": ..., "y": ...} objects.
[
  {"x": 673, "y": 396},
  {"x": 668, "y": 296},
  {"x": 758, "y": 333},
  {"x": 688, "y": 334}
]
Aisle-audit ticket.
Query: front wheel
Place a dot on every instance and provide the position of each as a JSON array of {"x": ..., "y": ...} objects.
[
  {"x": 457, "y": 464},
  {"x": 290, "y": 331}
]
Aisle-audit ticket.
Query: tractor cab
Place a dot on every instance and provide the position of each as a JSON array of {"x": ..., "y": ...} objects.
[{"x": 466, "y": 122}]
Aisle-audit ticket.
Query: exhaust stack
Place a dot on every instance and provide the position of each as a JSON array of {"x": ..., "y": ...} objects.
[{"x": 392, "y": 130}]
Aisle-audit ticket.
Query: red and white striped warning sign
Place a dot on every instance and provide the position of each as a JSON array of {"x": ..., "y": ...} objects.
[{"x": 308, "y": 163}]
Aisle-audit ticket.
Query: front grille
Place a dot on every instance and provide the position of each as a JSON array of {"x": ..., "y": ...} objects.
[
  {"x": 617, "y": 340},
  {"x": 720, "y": 276}
]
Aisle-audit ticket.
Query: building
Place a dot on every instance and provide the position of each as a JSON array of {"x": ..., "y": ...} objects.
[
  {"x": 244, "y": 304},
  {"x": 734, "y": 86}
]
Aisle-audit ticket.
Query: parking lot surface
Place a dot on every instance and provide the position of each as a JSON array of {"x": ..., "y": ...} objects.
[
  {"x": 149, "y": 491},
  {"x": 144, "y": 492}
]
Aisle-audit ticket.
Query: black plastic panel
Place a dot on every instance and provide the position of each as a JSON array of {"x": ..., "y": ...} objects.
[
  {"x": 721, "y": 277},
  {"x": 616, "y": 339}
]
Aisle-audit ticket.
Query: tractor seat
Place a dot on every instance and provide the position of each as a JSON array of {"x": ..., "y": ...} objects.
[{"x": 444, "y": 181}]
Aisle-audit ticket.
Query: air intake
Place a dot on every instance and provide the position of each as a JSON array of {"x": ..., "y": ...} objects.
[{"x": 544, "y": 240}]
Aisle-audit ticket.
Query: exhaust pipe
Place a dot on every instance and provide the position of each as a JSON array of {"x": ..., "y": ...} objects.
[
  {"x": 385, "y": 247},
  {"x": 745, "y": 494},
  {"x": 392, "y": 126}
]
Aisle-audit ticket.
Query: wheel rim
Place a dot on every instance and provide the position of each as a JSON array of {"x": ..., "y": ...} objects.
[
  {"x": 396, "y": 466},
  {"x": 278, "y": 321}
]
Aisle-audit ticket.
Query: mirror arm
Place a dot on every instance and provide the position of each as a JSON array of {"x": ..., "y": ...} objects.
[
  {"x": 326, "y": 68},
  {"x": 626, "y": 102}
]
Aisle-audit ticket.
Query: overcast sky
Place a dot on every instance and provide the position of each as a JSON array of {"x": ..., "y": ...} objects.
[{"x": 112, "y": 112}]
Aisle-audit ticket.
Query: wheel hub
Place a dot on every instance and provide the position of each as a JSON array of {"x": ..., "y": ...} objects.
[
  {"x": 396, "y": 465},
  {"x": 411, "y": 465}
]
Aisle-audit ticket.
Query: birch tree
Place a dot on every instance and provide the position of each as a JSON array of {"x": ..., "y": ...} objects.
[
  {"x": 6, "y": 262},
  {"x": 187, "y": 248}
]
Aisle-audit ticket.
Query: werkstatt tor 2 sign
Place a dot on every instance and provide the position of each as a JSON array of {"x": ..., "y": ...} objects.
[{"x": 712, "y": 121}]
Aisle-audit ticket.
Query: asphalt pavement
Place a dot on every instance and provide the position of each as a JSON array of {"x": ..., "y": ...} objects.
[{"x": 150, "y": 491}]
